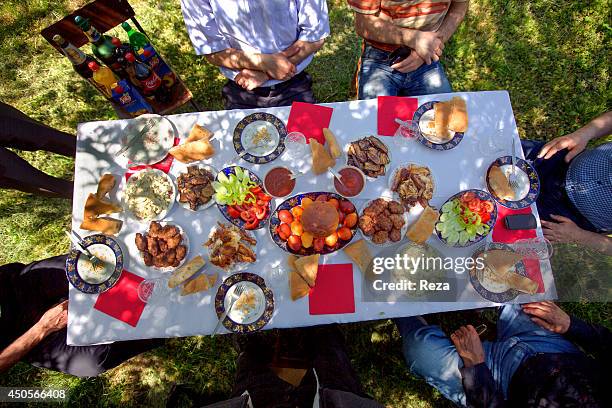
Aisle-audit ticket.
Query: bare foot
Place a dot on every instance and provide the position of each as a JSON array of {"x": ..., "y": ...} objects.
[
  {"x": 251, "y": 79},
  {"x": 468, "y": 345}
]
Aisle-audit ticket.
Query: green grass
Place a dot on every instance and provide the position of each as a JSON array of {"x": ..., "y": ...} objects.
[{"x": 553, "y": 57}]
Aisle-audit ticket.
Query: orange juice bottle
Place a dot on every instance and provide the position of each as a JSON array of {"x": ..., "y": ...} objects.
[{"x": 104, "y": 77}]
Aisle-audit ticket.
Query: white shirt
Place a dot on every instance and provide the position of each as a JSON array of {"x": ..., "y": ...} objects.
[{"x": 259, "y": 26}]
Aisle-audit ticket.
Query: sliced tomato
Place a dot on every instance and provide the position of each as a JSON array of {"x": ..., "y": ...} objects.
[
  {"x": 487, "y": 206},
  {"x": 261, "y": 213},
  {"x": 467, "y": 197},
  {"x": 234, "y": 213},
  {"x": 485, "y": 217},
  {"x": 261, "y": 203},
  {"x": 256, "y": 189},
  {"x": 252, "y": 224},
  {"x": 474, "y": 205}
]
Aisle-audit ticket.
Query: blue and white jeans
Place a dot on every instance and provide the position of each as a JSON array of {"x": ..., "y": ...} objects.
[
  {"x": 430, "y": 353},
  {"x": 377, "y": 78}
]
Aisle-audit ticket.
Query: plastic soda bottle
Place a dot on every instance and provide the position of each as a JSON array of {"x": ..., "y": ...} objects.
[
  {"x": 149, "y": 82},
  {"x": 137, "y": 39},
  {"x": 104, "y": 77}
]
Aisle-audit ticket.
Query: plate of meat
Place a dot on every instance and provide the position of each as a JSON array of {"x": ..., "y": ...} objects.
[
  {"x": 231, "y": 248},
  {"x": 370, "y": 155},
  {"x": 413, "y": 184},
  {"x": 383, "y": 222},
  {"x": 163, "y": 246}
]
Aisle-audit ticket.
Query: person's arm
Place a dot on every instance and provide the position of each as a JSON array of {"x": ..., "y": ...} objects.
[
  {"x": 478, "y": 383},
  {"x": 576, "y": 142},
  {"x": 564, "y": 230},
  {"x": 591, "y": 337},
  {"x": 454, "y": 17},
  {"x": 372, "y": 25},
  {"x": 53, "y": 320},
  {"x": 276, "y": 66}
]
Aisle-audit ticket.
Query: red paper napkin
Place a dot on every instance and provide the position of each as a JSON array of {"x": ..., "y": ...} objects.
[
  {"x": 163, "y": 165},
  {"x": 122, "y": 301},
  {"x": 333, "y": 292},
  {"x": 392, "y": 107},
  {"x": 503, "y": 234},
  {"x": 309, "y": 120}
]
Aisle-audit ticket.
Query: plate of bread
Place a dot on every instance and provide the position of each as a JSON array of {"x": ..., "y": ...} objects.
[
  {"x": 503, "y": 275},
  {"x": 442, "y": 124},
  {"x": 498, "y": 185}
]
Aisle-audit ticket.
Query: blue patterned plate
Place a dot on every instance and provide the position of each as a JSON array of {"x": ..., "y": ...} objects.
[
  {"x": 493, "y": 291},
  {"x": 483, "y": 195},
  {"x": 239, "y": 222},
  {"x": 294, "y": 201},
  {"x": 246, "y": 130},
  {"x": 529, "y": 181},
  {"x": 108, "y": 278},
  {"x": 423, "y": 138},
  {"x": 238, "y": 321}
]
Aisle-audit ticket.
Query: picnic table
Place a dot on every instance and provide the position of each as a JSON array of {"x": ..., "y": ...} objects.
[{"x": 454, "y": 170}]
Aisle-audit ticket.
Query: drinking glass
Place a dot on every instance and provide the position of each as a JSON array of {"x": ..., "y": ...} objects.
[
  {"x": 538, "y": 248},
  {"x": 154, "y": 289},
  {"x": 406, "y": 132},
  {"x": 492, "y": 145},
  {"x": 295, "y": 145}
]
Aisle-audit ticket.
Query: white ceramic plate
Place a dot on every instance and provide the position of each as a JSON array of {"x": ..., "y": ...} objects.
[
  {"x": 389, "y": 242},
  {"x": 396, "y": 195},
  {"x": 430, "y": 133},
  {"x": 202, "y": 207},
  {"x": 387, "y": 166},
  {"x": 162, "y": 214},
  {"x": 240, "y": 316},
  {"x": 130, "y": 239},
  {"x": 154, "y": 145},
  {"x": 236, "y": 266}
]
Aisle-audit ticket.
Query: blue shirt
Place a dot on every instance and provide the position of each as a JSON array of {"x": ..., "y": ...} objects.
[
  {"x": 258, "y": 26},
  {"x": 589, "y": 185}
]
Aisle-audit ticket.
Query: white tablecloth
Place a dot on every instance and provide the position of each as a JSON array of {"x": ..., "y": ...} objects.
[{"x": 454, "y": 170}]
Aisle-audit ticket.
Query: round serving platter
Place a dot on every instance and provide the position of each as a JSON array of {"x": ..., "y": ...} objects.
[
  {"x": 483, "y": 195},
  {"x": 235, "y": 321},
  {"x": 493, "y": 291},
  {"x": 154, "y": 145},
  {"x": 162, "y": 215},
  {"x": 422, "y": 116},
  {"x": 296, "y": 200},
  {"x": 223, "y": 208},
  {"x": 528, "y": 180},
  {"x": 75, "y": 276},
  {"x": 245, "y": 132}
]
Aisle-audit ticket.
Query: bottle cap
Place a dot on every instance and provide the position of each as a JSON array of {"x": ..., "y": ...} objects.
[
  {"x": 146, "y": 53},
  {"x": 117, "y": 88},
  {"x": 93, "y": 65},
  {"x": 83, "y": 23},
  {"x": 130, "y": 57},
  {"x": 58, "y": 39},
  {"x": 116, "y": 42}
]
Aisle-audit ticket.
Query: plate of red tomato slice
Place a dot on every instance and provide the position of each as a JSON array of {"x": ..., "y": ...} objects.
[
  {"x": 248, "y": 206},
  {"x": 466, "y": 218}
]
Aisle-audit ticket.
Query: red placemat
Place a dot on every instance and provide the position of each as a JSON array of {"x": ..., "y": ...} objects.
[
  {"x": 309, "y": 119},
  {"x": 163, "y": 165},
  {"x": 122, "y": 301},
  {"x": 503, "y": 234},
  {"x": 391, "y": 108},
  {"x": 333, "y": 292}
]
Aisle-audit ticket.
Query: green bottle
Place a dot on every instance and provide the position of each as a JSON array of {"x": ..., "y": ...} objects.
[
  {"x": 101, "y": 45},
  {"x": 137, "y": 39}
]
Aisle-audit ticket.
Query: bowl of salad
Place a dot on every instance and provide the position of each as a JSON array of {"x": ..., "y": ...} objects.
[
  {"x": 466, "y": 218},
  {"x": 240, "y": 197}
]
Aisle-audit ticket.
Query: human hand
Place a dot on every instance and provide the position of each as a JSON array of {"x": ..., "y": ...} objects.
[
  {"x": 548, "y": 315},
  {"x": 428, "y": 45},
  {"x": 277, "y": 66},
  {"x": 411, "y": 63},
  {"x": 574, "y": 142},
  {"x": 250, "y": 79},
  {"x": 294, "y": 49},
  {"x": 54, "y": 319},
  {"x": 563, "y": 230},
  {"x": 468, "y": 345}
]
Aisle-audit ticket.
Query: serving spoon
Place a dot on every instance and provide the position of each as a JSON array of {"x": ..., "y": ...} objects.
[{"x": 337, "y": 176}]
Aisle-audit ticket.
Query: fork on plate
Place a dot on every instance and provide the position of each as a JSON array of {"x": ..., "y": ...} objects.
[{"x": 235, "y": 296}]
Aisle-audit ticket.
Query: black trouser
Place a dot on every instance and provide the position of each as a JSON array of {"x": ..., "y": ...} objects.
[
  {"x": 19, "y": 131},
  {"x": 296, "y": 89},
  {"x": 26, "y": 293},
  {"x": 331, "y": 363}
]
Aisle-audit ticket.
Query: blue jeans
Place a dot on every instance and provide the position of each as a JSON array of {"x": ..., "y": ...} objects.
[
  {"x": 553, "y": 198},
  {"x": 430, "y": 354},
  {"x": 376, "y": 78}
]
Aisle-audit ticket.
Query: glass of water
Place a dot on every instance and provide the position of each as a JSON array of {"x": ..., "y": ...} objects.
[
  {"x": 538, "y": 248},
  {"x": 153, "y": 290},
  {"x": 406, "y": 132},
  {"x": 295, "y": 145}
]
